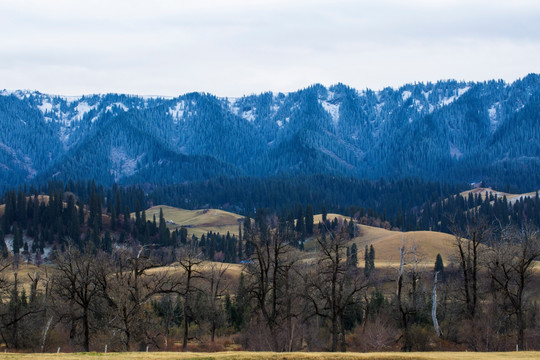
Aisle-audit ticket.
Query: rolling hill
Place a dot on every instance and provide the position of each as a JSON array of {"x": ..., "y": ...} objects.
[{"x": 197, "y": 222}]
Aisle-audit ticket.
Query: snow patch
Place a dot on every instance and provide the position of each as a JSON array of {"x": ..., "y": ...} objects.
[
  {"x": 457, "y": 95},
  {"x": 332, "y": 109},
  {"x": 122, "y": 164},
  {"x": 406, "y": 95},
  {"x": 178, "y": 111},
  {"x": 117, "y": 105},
  {"x": 82, "y": 108},
  {"x": 45, "y": 107},
  {"x": 249, "y": 115}
]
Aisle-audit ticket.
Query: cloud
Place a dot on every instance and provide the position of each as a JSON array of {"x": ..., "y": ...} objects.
[{"x": 244, "y": 46}]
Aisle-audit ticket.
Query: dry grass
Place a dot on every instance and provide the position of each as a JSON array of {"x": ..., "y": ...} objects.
[
  {"x": 197, "y": 222},
  {"x": 484, "y": 192},
  {"x": 387, "y": 243},
  {"x": 275, "y": 356}
]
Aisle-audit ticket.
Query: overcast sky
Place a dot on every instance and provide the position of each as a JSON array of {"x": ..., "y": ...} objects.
[{"x": 232, "y": 48}]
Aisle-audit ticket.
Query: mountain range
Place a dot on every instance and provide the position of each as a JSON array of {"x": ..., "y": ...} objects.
[{"x": 445, "y": 131}]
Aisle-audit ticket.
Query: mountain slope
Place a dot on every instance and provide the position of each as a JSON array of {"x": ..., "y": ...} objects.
[{"x": 456, "y": 131}]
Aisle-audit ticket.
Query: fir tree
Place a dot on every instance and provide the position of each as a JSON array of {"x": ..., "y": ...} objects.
[
  {"x": 354, "y": 255},
  {"x": 439, "y": 267}
]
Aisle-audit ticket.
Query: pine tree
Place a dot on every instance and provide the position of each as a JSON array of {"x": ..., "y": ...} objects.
[
  {"x": 240, "y": 252},
  {"x": 309, "y": 220},
  {"x": 371, "y": 258},
  {"x": 106, "y": 243},
  {"x": 367, "y": 266},
  {"x": 17, "y": 239},
  {"x": 439, "y": 267},
  {"x": 354, "y": 255}
]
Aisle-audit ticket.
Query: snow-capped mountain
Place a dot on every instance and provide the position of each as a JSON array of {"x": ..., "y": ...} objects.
[{"x": 449, "y": 130}]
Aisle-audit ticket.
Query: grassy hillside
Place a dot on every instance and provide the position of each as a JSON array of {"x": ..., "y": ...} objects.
[
  {"x": 197, "y": 222},
  {"x": 512, "y": 198},
  {"x": 281, "y": 356},
  {"x": 387, "y": 243}
]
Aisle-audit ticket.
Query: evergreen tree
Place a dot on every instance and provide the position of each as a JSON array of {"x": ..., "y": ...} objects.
[
  {"x": 17, "y": 239},
  {"x": 371, "y": 258},
  {"x": 3, "y": 246},
  {"x": 309, "y": 220},
  {"x": 367, "y": 266},
  {"x": 354, "y": 255},
  {"x": 439, "y": 267},
  {"x": 164, "y": 234},
  {"x": 106, "y": 243}
]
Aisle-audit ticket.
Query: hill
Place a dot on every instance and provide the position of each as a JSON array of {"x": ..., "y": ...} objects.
[
  {"x": 197, "y": 222},
  {"x": 387, "y": 243}
]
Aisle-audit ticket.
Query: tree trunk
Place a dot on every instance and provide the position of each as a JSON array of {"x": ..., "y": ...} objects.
[
  {"x": 434, "y": 307},
  {"x": 86, "y": 328},
  {"x": 334, "y": 334}
]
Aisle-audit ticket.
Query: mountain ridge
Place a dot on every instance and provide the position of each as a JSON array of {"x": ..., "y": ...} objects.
[{"x": 457, "y": 131}]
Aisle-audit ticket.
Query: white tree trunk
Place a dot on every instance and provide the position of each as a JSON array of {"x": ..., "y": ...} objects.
[{"x": 434, "y": 307}]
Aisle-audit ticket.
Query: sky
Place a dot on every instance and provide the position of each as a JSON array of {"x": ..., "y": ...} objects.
[{"x": 232, "y": 48}]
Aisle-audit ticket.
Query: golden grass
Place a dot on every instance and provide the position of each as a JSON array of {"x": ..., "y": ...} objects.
[
  {"x": 387, "y": 243},
  {"x": 24, "y": 272},
  {"x": 197, "y": 222},
  {"x": 246, "y": 355},
  {"x": 233, "y": 270},
  {"x": 331, "y": 216}
]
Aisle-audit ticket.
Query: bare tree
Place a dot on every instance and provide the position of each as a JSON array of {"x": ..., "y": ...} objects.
[
  {"x": 127, "y": 286},
  {"x": 74, "y": 283},
  {"x": 409, "y": 295},
  {"x": 510, "y": 265},
  {"x": 468, "y": 242},
  {"x": 214, "y": 293},
  {"x": 271, "y": 275},
  {"x": 333, "y": 286},
  {"x": 189, "y": 261}
]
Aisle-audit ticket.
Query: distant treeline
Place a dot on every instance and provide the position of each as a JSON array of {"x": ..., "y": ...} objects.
[{"x": 74, "y": 210}]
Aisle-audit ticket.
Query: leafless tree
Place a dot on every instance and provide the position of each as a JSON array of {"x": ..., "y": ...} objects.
[
  {"x": 187, "y": 283},
  {"x": 409, "y": 294},
  {"x": 214, "y": 291},
  {"x": 468, "y": 243},
  {"x": 270, "y": 277},
  {"x": 127, "y": 286},
  {"x": 511, "y": 262},
  {"x": 333, "y": 285},
  {"x": 74, "y": 284}
]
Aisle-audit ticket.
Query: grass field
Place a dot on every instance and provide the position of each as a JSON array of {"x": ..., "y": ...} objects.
[
  {"x": 275, "y": 356},
  {"x": 197, "y": 222}
]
